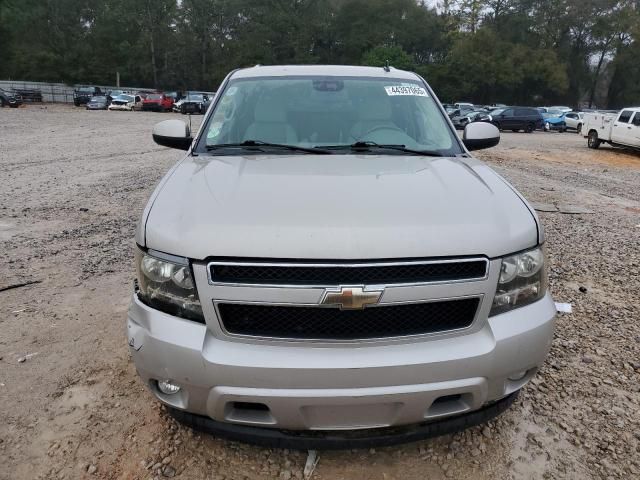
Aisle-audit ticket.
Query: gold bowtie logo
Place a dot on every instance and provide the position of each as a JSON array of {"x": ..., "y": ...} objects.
[{"x": 351, "y": 298}]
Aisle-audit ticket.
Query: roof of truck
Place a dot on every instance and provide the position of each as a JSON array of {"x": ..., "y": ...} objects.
[{"x": 328, "y": 70}]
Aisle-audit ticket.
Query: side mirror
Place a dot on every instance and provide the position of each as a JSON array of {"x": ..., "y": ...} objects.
[
  {"x": 172, "y": 134},
  {"x": 479, "y": 135}
]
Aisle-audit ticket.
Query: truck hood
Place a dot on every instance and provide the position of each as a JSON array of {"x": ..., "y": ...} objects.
[{"x": 336, "y": 207}]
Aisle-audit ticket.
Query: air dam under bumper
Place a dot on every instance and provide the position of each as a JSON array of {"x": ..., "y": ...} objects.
[{"x": 306, "y": 387}]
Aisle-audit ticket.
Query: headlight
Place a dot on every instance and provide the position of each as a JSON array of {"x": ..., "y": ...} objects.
[
  {"x": 523, "y": 280},
  {"x": 168, "y": 286}
]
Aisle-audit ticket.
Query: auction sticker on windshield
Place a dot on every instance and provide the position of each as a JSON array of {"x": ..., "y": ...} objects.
[{"x": 406, "y": 90}]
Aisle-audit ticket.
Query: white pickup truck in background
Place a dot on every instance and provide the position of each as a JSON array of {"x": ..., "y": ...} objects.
[{"x": 620, "y": 129}]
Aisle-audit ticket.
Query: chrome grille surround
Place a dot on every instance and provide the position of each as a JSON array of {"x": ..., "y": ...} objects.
[{"x": 213, "y": 293}]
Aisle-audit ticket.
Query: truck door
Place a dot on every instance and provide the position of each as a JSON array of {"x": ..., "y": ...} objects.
[
  {"x": 621, "y": 130},
  {"x": 634, "y": 135}
]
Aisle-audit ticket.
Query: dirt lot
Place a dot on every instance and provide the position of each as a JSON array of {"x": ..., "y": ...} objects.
[{"x": 72, "y": 185}]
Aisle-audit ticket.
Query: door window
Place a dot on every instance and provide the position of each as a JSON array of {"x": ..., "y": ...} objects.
[
  {"x": 508, "y": 112},
  {"x": 625, "y": 116},
  {"x": 636, "y": 119}
]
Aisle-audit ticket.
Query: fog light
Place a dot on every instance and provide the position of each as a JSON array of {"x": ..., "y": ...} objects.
[
  {"x": 516, "y": 376},
  {"x": 168, "y": 388}
]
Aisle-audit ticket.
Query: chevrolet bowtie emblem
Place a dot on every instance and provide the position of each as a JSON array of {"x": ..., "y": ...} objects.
[{"x": 351, "y": 298}]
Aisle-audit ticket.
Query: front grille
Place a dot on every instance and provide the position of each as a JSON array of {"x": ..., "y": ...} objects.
[
  {"x": 347, "y": 273},
  {"x": 333, "y": 324}
]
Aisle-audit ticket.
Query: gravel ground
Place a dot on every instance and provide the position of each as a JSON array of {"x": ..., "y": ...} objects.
[{"x": 72, "y": 185}]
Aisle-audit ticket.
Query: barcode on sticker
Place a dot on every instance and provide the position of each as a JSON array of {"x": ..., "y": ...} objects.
[{"x": 406, "y": 90}]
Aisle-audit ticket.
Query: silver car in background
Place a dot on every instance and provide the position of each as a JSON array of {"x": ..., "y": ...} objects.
[{"x": 329, "y": 267}]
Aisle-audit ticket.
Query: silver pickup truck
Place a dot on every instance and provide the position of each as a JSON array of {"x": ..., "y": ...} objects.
[{"x": 329, "y": 267}]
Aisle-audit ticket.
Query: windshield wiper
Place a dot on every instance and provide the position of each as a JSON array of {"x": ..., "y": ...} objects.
[
  {"x": 368, "y": 146},
  {"x": 259, "y": 144}
]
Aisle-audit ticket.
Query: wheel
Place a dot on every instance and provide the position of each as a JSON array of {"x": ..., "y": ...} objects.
[
  {"x": 76, "y": 103},
  {"x": 593, "y": 141},
  {"x": 529, "y": 128},
  {"x": 2, "y": 103},
  {"x": 562, "y": 130},
  {"x": 579, "y": 128},
  {"x": 497, "y": 125}
]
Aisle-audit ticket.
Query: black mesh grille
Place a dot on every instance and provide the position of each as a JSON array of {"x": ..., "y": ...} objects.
[
  {"x": 340, "y": 275},
  {"x": 335, "y": 324}
]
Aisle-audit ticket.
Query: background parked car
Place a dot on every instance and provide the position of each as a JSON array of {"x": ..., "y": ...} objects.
[
  {"x": 176, "y": 95},
  {"x": 98, "y": 103},
  {"x": 517, "y": 118},
  {"x": 177, "y": 105},
  {"x": 82, "y": 95},
  {"x": 461, "y": 121},
  {"x": 617, "y": 129},
  {"x": 480, "y": 116},
  {"x": 9, "y": 99},
  {"x": 194, "y": 103},
  {"x": 574, "y": 120},
  {"x": 466, "y": 105},
  {"x": 158, "y": 102},
  {"x": 463, "y": 110},
  {"x": 560, "y": 108},
  {"x": 114, "y": 93},
  {"x": 126, "y": 102},
  {"x": 28, "y": 94},
  {"x": 554, "y": 120}
]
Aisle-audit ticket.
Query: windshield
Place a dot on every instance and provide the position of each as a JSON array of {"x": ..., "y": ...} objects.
[
  {"x": 552, "y": 114},
  {"x": 99, "y": 99},
  {"x": 154, "y": 97},
  {"x": 194, "y": 97},
  {"x": 124, "y": 98},
  {"x": 85, "y": 90},
  {"x": 329, "y": 111}
]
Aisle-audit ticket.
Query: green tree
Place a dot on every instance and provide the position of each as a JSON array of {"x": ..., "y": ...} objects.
[{"x": 393, "y": 56}]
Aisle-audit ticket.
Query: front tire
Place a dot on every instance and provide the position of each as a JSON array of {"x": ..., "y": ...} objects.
[
  {"x": 529, "y": 128},
  {"x": 593, "y": 141},
  {"x": 579, "y": 129}
]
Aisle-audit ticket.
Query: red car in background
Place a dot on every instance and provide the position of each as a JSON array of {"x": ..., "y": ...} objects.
[{"x": 158, "y": 102}]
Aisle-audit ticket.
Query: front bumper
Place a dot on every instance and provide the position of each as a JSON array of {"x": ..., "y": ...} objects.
[
  {"x": 344, "y": 387},
  {"x": 152, "y": 107},
  {"x": 554, "y": 126}
]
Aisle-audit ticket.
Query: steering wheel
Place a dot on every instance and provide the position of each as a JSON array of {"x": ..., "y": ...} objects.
[{"x": 391, "y": 128}]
